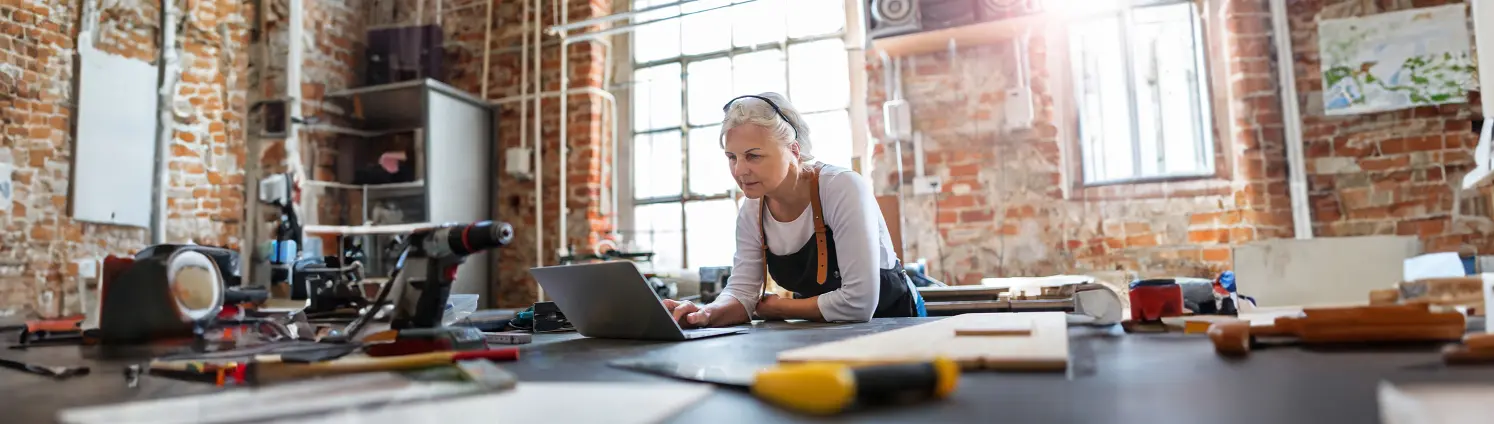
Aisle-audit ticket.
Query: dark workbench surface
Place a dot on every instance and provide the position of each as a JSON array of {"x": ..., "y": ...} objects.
[{"x": 1112, "y": 378}]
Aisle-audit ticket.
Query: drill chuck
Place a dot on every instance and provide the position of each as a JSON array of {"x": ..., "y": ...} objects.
[{"x": 466, "y": 239}]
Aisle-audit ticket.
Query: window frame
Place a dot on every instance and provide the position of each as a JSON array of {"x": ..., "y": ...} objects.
[
  {"x": 629, "y": 201},
  {"x": 1213, "y": 121}
]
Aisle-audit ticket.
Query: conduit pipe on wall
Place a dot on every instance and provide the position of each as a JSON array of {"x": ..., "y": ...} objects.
[{"x": 1292, "y": 119}]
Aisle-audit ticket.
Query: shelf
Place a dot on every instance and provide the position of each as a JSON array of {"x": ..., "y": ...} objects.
[
  {"x": 354, "y": 131},
  {"x": 983, "y": 33},
  {"x": 330, "y": 184}
]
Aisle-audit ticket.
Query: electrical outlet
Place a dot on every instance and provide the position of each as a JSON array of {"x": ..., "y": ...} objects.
[
  {"x": 88, "y": 269},
  {"x": 927, "y": 185}
]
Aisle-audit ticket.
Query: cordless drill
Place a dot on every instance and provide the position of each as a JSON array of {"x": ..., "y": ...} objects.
[{"x": 428, "y": 266}]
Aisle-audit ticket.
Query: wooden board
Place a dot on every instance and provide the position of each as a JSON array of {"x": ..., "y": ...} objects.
[
  {"x": 542, "y": 402},
  {"x": 1046, "y": 349},
  {"x": 1324, "y": 271},
  {"x": 1435, "y": 403}
]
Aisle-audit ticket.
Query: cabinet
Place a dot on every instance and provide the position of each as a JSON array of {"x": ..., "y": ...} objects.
[{"x": 446, "y": 136}]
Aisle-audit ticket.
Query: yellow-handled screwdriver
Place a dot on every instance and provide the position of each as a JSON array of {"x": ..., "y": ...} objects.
[{"x": 823, "y": 388}]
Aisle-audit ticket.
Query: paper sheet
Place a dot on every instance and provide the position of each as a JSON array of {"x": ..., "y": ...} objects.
[{"x": 1433, "y": 265}]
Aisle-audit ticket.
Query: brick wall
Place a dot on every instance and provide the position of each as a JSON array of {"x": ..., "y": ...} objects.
[
  {"x": 586, "y": 133},
  {"x": 463, "y": 27},
  {"x": 1004, "y": 210},
  {"x": 1396, "y": 172},
  {"x": 41, "y": 242}
]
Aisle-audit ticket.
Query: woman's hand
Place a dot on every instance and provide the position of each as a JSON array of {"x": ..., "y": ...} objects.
[
  {"x": 771, "y": 307},
  {"x": 688, "y": 314}
]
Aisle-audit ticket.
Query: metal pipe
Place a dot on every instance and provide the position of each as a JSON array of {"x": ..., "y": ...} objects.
[
  {"x": 539, "y": 147},
  {"x": 1292, "y": 119},
  {"x": 565, "y": 124},
  {"x": 170, "y": 74},
  {"x": 487, "y": 49},
  {"x": 557, "y": 29},
  {"x": 296, "y": 24},
  {"x": 524, "y": 79},
  {"x": 626, "y": 28}
]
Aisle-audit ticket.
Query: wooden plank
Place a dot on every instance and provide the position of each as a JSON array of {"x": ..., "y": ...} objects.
[
  {"x": 1045, "y": 349},
  {"x": 969, "y": 306}
]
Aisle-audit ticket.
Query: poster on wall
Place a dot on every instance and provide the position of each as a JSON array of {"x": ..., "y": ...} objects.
[{"x": 1396, "y": 60}]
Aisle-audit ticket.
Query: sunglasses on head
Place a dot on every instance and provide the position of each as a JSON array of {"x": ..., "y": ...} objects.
[{"x": 770, "y": 104}]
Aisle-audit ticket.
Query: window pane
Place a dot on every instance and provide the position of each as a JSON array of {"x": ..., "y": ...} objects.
[
  {"x": 656, "y": 97},
  {"x": 830, "y": 136},
  {"x": 710, "y": 173},
  {"x": 656, "y": 228},
  {"x": 710, "y": 88},
  {"x": 656, "y": 165},
  {"x": 758, "y": 72},
  {"x": 816, "y": 17},
  {"x": 1104, "y": 103},
  {"x": 707, "y": 31},
  {"x": 658, "y": 40},
  {"x": 758, "y": 22},
  {"x": 819, "y": 78},
  {"x": 711, "y": 232},
  {"x": 1186, "y": 147}
]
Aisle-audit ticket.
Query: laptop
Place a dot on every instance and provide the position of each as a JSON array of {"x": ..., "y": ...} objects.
[{"x": 612, "y": 300}]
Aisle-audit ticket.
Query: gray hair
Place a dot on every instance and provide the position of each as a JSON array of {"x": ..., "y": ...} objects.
[{"x": 748, "y": 110}]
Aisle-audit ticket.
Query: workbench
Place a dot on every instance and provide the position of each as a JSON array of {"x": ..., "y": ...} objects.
[{"x": 1113, "y": 378}]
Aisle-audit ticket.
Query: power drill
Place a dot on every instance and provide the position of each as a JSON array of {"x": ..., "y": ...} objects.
[{"x": 428, "y": 266}]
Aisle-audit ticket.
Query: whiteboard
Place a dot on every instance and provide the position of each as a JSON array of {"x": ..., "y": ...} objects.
[{"x": 116, "y": 139}]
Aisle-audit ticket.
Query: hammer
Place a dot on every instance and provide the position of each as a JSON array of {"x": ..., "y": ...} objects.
[{"x": 1360, "y": 324}]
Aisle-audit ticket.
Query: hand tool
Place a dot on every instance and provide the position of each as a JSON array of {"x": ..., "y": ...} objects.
[
  {"x": 822, "y": 388},
  {"x": 1152, "y": 300},
  {"x": 1476, "y": 349},
  {"x": 1360, "y": 324},
  {"x": 49, "y": 371},
  {"x": 421, "y": 340},
  {"x": 265, "y": 370}
]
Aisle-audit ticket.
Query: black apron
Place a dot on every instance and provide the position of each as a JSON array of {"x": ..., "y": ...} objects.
[{"x": 814, "y": 269}]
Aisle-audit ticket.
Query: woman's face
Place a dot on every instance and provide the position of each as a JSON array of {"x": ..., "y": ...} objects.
[{"x": 758, "y": 163}]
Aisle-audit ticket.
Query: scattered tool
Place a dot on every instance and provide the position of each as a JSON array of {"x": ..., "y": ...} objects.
[
  {"x": 822, "y": 388},
  {"x": 1476, "y": 349},
  {"x": 1152, "y": 300},
  {"x": 49, "y": 371},
  {"x": 1361, "y": 324},
  {"x": 272, "y": 370},
  {"x": 56, "y": 331},
  {"x": 421, "y": 340}
]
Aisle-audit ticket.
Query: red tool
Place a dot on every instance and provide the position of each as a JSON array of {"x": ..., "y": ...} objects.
[
  {"x": 1152, "y": 300},
  {"x": 422, "y": 340}
]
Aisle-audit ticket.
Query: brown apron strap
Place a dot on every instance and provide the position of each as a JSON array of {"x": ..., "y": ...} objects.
[
  {"x": 823, "y": 250},
  {"x": 762, "y": 214},
  {"x": 819, "y": 226}
]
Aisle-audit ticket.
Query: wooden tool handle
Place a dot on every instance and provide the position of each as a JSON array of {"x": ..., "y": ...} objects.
[
  {"x": 1231, "y": 338},
  {"x": 1381, "y": 333}
]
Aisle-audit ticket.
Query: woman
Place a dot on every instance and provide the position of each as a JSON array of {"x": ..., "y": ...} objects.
[{"x": 815, "y": 228}]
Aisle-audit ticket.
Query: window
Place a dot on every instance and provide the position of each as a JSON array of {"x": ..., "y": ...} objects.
[
  {"x": 684, "y": 71},
  {"x": 1142, "y": 93}
]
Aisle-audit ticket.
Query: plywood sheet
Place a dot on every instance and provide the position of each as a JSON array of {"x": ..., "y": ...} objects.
[
  {"x": 1045, "y": 349},
  {"x": 534, "y": 402},
  {"x": 1325, "y": 271}
]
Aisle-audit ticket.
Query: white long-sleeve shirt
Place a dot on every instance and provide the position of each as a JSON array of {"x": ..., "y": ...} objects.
[{"x": 862, "y": 246}]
